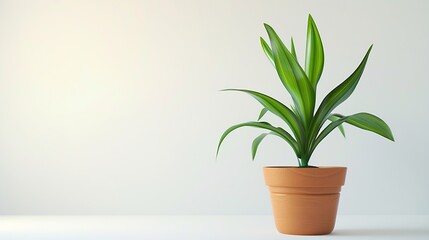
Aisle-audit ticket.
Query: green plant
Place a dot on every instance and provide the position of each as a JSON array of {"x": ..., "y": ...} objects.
[{"x": 304, "y": 123}]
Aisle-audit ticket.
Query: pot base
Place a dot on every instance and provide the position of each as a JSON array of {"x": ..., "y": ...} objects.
[{"x": 300, "y": 214}]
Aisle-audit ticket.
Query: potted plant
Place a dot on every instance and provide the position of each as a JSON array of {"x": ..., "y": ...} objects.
[{"x": 305, "y": 198}]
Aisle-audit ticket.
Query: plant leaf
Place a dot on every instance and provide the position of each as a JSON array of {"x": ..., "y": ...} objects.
[
  {"x": 336, "y": 97},
  {"x": 292, "y": 49},
  {"x": 264, "y": 125},
  {"x": 333, "y": 118},
  {"x": 267, "y": 50},
  {"x": 365, "y": 121},
  {"x": 314, "y": 56},
  {"x": 278, "y": 109},
  {"x": 263, "y": 111},
  {"x": 293, "y": 77},
  {"x": 256, "y": 142},
  {"x": 369, "y": 122}
]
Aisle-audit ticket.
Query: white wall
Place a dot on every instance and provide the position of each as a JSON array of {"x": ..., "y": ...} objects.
[{"x": 112, "y": 107}]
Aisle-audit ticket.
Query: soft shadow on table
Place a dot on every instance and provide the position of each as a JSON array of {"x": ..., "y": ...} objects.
[{"x": 381, "y": 232}]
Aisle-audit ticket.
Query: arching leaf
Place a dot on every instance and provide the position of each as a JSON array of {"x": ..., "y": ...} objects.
[
  {"x": 278, "y": 109},
  {"x": 370, "y": 123},
  {"x": 365, "y": 121},
  {"x": 263, "y": 125}
]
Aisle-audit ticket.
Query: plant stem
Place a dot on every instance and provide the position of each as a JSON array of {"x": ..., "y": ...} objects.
[{"x": 302, "y": 162}]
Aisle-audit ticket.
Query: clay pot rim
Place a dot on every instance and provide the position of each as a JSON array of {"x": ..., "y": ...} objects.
[
  {"x": 313, "y": 167},
  {"x": 304, "y": 177}
]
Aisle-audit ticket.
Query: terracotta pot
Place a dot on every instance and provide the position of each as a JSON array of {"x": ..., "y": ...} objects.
[{"x": 305, "y": 200}]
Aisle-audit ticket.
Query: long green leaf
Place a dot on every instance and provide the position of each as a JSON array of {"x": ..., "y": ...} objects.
[
  {"x": 364, "y": 121},
  {"x": 336, "y": 97},
  {"x": 264, "y": 125},
  {"x": 278, "y": 109},
  {"x": 256, "y": 142},
  {"x": 314, "y": 57},
  {"x": 369, "y": 122},
  {"x": 333, "y": 118},
  {"x": 267, "y": 50},
  {"x": 293, "y": 77}
]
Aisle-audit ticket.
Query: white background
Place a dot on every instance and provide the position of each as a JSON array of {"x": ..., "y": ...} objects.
[{"x": 112, "y": 107}]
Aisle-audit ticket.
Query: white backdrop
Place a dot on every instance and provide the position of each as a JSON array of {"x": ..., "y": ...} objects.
[{"x": 112, "y": 107}]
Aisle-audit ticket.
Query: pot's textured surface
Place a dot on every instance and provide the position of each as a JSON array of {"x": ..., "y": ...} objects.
[{"x": 305, "y": 200}]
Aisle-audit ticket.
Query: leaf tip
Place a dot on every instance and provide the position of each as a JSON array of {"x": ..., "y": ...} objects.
[
  {"x": 268, "y": 27},
  {"x": 263, "y": 42},
  {"x": 310, "y": 19},
  {"x": 370, "y": 48}
]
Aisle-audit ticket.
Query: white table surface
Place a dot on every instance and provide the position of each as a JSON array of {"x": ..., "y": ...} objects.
[{"x": 202, "y": 227}]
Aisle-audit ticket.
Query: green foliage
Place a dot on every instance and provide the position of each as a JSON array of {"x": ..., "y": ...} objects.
[{"x": 306, "y": 122}]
